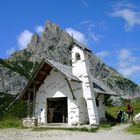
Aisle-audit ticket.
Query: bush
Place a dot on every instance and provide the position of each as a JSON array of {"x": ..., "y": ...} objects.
[{"x": 10, "y": 122}]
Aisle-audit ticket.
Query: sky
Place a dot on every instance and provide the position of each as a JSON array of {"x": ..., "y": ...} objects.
[{"x": 110, "y": 28}]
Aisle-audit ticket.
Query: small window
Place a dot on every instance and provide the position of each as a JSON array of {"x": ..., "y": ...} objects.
[
  {"x": 97, "y": 103},
  {"x": 77, "y": 57}
]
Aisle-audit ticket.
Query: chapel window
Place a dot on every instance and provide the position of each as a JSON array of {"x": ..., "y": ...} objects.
[{"x": 77, "y": 57}]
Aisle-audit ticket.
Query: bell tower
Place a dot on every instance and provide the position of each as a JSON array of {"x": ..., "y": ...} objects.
[{"x": 81, "y": 70}]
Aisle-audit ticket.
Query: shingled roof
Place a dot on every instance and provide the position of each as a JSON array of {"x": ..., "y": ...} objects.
[
  {"x": 47, "y": 65},
  {"x": 65, "y": 69},
  {"x": 99, "y": 87},
  {"x": 43, "y": 71}
]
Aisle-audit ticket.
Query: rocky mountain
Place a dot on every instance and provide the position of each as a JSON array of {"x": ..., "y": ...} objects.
[
  {"x": 11, "y": 82},
  {"x": 53, "y": 44},
  {"x": 14, "y": 73}
]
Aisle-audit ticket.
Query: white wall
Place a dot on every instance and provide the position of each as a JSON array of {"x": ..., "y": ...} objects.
[
  {"x": 83, "y": 112},
  {"x": 55, "y": 86},
  {"x": 101, "y": 108},
  {"x": 80, "y": 68}
]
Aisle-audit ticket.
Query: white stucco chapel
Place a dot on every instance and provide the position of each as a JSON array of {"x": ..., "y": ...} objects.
[{"x": 67, "y": 94}]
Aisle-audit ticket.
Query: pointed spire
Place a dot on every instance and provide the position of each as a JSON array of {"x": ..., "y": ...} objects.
[{"x": 35, "y": 38}]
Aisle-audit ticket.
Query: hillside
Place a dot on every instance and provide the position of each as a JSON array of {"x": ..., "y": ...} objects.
[
  {"x": 11, "y": 80},
  {"x": 53, "y": 44},
  {"x": 10, "y": 106}
]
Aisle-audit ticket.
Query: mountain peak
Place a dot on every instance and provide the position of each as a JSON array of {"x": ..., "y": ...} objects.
[
  {"x": 50, "y": 24},
  {"x": 51, "y": 31},
  {"x": 35, "y": 38}
]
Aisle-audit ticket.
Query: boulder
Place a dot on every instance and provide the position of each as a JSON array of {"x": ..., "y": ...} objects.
[{"x": 137, "y": 118}]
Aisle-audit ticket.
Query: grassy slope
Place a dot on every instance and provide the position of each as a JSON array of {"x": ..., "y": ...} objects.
[
  {"x": 5, "y": 100},
  {"x": 134, "y": 128},
  {"x": 113, "y": 110},
  {"x": 19, "y": 63},
  {"x": 12, "y": 117}
]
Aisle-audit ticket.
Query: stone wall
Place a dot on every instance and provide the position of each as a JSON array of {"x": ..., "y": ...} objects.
[{"x": 29, "y": 122}]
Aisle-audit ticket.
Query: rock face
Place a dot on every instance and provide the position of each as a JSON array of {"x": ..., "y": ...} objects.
[
  {"x": 53, "y": 44},
  {"x": 137, "y": 118},
  {"x": 10, "y": 81},
  {"x": 110, "y": 77}
]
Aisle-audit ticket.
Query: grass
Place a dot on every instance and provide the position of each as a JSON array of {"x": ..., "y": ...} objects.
[
  {"x": 112, "y": 111},
  {"x": 105, "y": 125},
  {"x": 10, "y": 122},
  {"x": 134, "y": 129},
  {"x": 81, "y": 129},
  {"x": 12, "y": 118}
]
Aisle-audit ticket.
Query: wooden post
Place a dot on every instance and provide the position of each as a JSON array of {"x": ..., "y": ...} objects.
[
  {"x": 29, "y": 95},
  {"x": 106, "y": 98},
  {"x": 34, "y": 97},
  {"x": 98, "y": 96}
]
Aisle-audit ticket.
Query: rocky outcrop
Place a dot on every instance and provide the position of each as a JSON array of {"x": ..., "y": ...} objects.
[
  {"x": 10, "y": 81},
  {"x": 137, "y": 118},
  {"x": 53, "y": 44},
  {"x": 29, "y": 122}
]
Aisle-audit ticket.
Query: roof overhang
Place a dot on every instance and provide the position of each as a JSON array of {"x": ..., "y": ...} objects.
[
  {"x": 99, "y": 87},
  {"x": 36, "y": 80},
  {"x": 39, "y": 76}
]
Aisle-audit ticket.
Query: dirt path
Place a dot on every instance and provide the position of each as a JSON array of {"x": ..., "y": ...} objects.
[{"x": 116, "y": 133}]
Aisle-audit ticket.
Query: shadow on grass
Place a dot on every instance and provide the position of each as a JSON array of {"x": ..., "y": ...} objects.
[{"x": 111, "y": 120}]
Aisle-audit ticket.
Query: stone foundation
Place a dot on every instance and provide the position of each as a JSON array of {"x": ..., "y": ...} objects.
[{"x": 29, "y": 122}]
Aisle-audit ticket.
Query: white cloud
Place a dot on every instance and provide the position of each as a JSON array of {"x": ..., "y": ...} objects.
[
  {"x": 127, "y": 63},
  {"x": 10, "y": 51},
  {"x": 77, "y": 35},
  {"x": 130, "y": 71},
  {"x": 24, "y": 38},
  {"x": 86, "y": 22},
  {"x": 128, "y": 13},
  {"x": 84, "y": 2},
  {"x": 124, "y": 54},
  {"x": 89, "y": 25},
  {"x": 126, "y": 59},
  {"x": 95, "y": 37},
  {"x": 102, "y": 54},
  {"x": 39, "y": 29}
]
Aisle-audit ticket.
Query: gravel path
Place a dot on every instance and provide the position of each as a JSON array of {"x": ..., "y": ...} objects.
[{"x": 116, "y": 133}]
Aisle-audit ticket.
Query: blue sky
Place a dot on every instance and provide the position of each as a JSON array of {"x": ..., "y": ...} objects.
[{"x": 110, "y": 28}]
